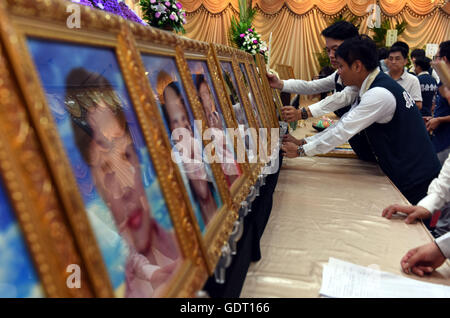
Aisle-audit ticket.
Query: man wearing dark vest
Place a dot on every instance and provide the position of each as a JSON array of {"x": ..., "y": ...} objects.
[
  {"x": 428, "y": 85},
  {"x": 339, "y": 102},
  {"x": 387, "y": 116}
]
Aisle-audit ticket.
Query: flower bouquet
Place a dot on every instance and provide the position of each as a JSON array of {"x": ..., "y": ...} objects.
[
  {"x": 164, "y": 14},
  {"x": 243, "y": 35}
]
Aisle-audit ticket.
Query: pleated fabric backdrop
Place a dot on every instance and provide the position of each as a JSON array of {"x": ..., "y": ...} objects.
[{"x": 296, "y": 25}]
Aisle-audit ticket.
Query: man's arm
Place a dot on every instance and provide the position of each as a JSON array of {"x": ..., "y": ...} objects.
[
  {"x": 438, "y": 190},
  {"x": 377, "y": 105},
  {"x": 334, "y": 102},
  {"x": 302, "y": 87}
]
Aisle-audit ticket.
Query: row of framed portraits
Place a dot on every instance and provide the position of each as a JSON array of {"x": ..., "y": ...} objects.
[{"x": 93, "y": 202}]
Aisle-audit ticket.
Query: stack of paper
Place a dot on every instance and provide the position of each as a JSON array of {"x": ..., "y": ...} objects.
[{"x": 347, "y": 280}]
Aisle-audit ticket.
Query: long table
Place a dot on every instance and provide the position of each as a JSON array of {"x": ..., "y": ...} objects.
[{"x": 331, "y": 207}]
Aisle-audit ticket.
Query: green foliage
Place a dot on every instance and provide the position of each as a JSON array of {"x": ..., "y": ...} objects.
[
  {"x": 380, "y": 33},
  {"x": 323, "y": 58},
  {"x": 246, "y": 16}
]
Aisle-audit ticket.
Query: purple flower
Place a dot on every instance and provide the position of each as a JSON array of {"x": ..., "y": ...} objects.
[
  {"x": 157, "y": 14},
  {"x": 255, "y": 41},
  {"x": 152, "y": 1},
  {"x": 83, "y": 2},
  {"x": 242, "y": 35},
  {"x": 167, "y": 3},
  {"x": 250, "y": 30},
  {"x": 179, "y": 5},
  {"x": 172, "y": 17}
]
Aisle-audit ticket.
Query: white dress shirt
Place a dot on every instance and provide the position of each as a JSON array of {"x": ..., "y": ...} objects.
[
  {"x": 438, "y": 191},
  {"x": 437, "y": 196},
  {"x": 411, "y": 84},
  {"x": 444, "y": 244},
  {"x": 329, "y": 104},
  {"x": 302, "y": 87},
  {"x": 377, "y": 105}
]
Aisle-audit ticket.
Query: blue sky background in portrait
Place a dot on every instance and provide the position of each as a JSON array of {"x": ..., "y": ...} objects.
[
  {"x": 54, "y": 61},
  {"x": 18, "y": 278},
  {"x": 154, "y": 64}
]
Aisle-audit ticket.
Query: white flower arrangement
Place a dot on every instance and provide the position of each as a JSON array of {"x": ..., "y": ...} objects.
[
  {"x": 164, "y": 13},
  {"x": 253, "y": 44}
]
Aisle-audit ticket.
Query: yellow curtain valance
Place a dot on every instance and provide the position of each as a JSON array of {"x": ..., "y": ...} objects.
[
  {"x": 328, "y": 7},
  {"x": 212, "y": 6}
]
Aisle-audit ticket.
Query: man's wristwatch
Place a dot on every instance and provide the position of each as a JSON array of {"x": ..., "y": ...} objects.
[
  {"x": 304, "y": 113},
  {"x": 300, "y": 151}
]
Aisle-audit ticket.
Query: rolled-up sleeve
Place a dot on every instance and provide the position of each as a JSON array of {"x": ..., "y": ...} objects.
[
  {"x": 334, "y": 102},
  {"x": 444, "y": 244},
  {"x": 438, "y": 191},
  {"x": 376, "y": 105}
]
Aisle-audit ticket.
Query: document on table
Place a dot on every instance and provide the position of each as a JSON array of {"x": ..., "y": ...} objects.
[{"x": 347, "y": 280}]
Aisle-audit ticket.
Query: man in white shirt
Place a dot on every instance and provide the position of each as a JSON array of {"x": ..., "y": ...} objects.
[
  {"x": 398, "y": 58},
  {"x": 388, "y": 118},
  {"x": 426, "y": 258},
  {"x": 339, "y": 102},
  {"x": 334, "y": 36}
]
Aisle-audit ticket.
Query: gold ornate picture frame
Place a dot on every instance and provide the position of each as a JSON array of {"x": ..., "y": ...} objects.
[
  {"x": 262, "y": 71},
  {"x": 162, "y": 56},
  {"x": 200, "y": 58},
  {"x": 224, "y": 54},
  {"x": 266, "y": 97},
  {"x": 27, "y": 27},
  {"x": 260, "y": 109},
  {"x": 37, "y": 217}
]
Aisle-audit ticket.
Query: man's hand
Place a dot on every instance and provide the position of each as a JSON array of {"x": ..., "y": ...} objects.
[
  {"x": 289, "y": 149},
  {"x": 432, "y": 124},
  {"x": 274, "y": 81},
  {"x": 422, "y": 259},
  {"x": 414, "y": 212},
  {"x": 290, "y": 114},
  {"x": 290, "y": 138}
]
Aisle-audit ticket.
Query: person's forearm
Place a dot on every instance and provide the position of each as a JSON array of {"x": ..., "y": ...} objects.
[
  {"x": 445, "y": 119},
  {"x": 334, "y": 102},
  {"x": 302, "y": 87}
]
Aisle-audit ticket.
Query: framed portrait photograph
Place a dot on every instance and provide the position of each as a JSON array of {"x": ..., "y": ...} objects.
[
  {"x": 18, "y": 276},
  {"x": 270, "y": 114},
  {"x": 184, "y": 120},
  {"x": 200, "y": 62},
  {"x": 261, "y": 69},
  {"x": 234, "y": 88},
  {"x": 91, "y": 120}
]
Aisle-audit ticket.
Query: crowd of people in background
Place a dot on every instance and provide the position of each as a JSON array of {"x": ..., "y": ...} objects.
[{"x": 391, "y": 114}]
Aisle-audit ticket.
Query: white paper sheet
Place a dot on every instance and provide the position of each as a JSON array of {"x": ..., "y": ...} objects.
[{"x": 346, "y": 280}]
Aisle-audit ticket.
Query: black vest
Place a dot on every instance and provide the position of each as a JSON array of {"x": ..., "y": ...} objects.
[
  {"x": 358, "y": 142},
  {"x": 402, "y": 146}
]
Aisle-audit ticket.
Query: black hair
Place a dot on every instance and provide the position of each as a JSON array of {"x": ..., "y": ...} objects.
[
  {"x": 402, "y": 44},
  {"x": 417, "y": 53},
  {"x": 423, "y": 62},
  {"x": 176, "y": 88},
  {"x": 326, "y": 71},
  {"x": 383, "y": 53},
  {"x": 361, "y": 48},
  {"x": 444, "y": 50},
  {"x": 341, "y": 30},
  {"x": 399, "y": 49}
]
